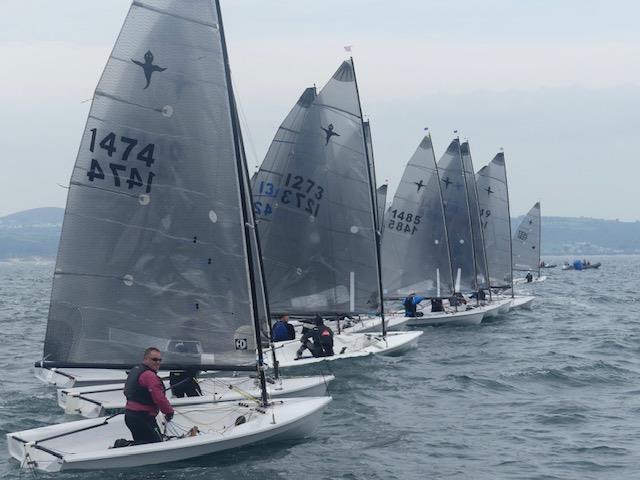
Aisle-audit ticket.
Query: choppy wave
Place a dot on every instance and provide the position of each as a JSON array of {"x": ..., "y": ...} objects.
[{"x": 543, "y": 394}]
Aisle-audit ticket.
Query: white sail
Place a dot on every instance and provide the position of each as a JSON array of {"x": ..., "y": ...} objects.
[
  {"x": 415, "y": 250},
  {"x": 482, "y": 274},
  {"x": 458, "y": 219},
  {"x": 313, "y": 197},
  {"x": 493, "y": 195},
  {"x": 526, "y": 242}
]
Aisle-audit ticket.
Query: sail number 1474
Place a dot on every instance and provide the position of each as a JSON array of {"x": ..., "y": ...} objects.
[{"x": 121, "y": 151}]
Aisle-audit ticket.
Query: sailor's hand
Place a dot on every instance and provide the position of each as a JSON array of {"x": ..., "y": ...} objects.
[{"x": 168, "y": 417}]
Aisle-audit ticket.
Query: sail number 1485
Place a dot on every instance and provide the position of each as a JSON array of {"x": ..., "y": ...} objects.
[{"x": 403, "y": 222}]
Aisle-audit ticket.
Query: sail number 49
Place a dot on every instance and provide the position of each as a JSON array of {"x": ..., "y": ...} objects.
[{"x": 121, "y": 149}]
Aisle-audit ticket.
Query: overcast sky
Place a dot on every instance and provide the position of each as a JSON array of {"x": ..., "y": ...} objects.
[{"x": 555, "y": 83}]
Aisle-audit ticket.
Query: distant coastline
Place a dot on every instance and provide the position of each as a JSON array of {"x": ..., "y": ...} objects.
[{"x": 34, "y": 235}]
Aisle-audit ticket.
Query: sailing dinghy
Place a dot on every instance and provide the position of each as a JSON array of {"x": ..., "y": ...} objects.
[
  {"x": 96, "y": 400},
  {"x": 158, "y": 247},
  {"x": 493, "y": 194},
  {"x": 457, "y": 209},
  {"x": 315, "y": 199},
  {"x": 526, "y": 247},
  {"x": 415, "y": 248}
]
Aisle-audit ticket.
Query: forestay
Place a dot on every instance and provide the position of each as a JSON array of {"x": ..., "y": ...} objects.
[
  {"x": 457, "y": 218},
  {"x": 313, "y": 197},
  {"x": 474, "y": 212},
  {"x": 526, "y": 242},
  {"x": 153, "y": 248},
  {"x": 415, "y": 251},
  {"x": 493, "y": 195}
]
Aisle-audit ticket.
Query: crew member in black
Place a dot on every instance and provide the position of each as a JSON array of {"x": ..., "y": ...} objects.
[
  {"x": 185, "y": 383},
  {"x": 457, "y": 300},
  {"x": 318, "y": 340},
  {"x": 480, "y": 295},
  {"x": 436, "y": 305},
  {"x": 145, "y": 397},
  {"x": 529, "y": 277}
]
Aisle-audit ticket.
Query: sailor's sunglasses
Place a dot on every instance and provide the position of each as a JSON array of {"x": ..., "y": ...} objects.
[{"x": 156, "y": 359}]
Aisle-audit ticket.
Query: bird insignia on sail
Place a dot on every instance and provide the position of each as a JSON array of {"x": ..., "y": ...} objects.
[
  {"x": 419, "y": 184},
  {"x": 489, "y": 191},
  {"x": 148, "y": 67},
  {"x": 447, "y": 182},
  {"x": 329, "y": 132}
]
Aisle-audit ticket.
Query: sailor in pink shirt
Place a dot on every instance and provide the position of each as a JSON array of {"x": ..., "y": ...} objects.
[{"x": 145, "y": 398}]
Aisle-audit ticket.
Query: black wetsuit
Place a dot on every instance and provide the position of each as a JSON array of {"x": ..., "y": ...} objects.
[
  {"x": 319, "y": 341},
  {"x": 185, "y": 384}
]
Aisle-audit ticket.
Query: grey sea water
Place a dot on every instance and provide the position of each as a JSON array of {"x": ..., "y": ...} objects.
[{"x": 551, "y": 393}]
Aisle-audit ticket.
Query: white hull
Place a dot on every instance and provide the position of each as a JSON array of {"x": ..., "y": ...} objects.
[
  {"x": 495, "y": 308},
  {"x": 95, "y": 401},
  {"x": 462, "y": 317},
  {"x": 79, "y": 377},
  {"x": 89, "y": 449},
  {"x": 347, "y": 345},
  {"x": 522, "y": 301}
]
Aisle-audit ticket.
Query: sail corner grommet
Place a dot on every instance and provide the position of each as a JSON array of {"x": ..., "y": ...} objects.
[
  {"x": 144, "y": 199},
  {"x": 127, "y": 280}
]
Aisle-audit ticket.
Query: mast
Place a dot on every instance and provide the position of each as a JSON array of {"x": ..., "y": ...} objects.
[
  {"x": 444, "y": 220},
  {"x": 247, "y": 211},
  {"x": 506, "y": 184},
  {"x": 473, "y": 249},
  {"x": 540, "y": 237},
  {"x": 482, "y": 244},
  {"x": 374, "y": 205}
]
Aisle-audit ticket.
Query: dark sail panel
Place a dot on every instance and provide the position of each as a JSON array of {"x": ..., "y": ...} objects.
[
  {"x": 153, "y": 247},
  {"x": 457, "y": 217},
  {"x": 313, "y": 200},
  {"x": 381, "y": 194},
  {"x": 474, "y": 212},
  {"x": 415, "y": 252},
  {"x": 493, "y": 196}
]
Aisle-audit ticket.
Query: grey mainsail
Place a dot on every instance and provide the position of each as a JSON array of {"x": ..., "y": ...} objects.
[
  {"x": 372, "y": 169},
  {"x": 415, "y": 251},
  {"x": 526, "y": 242},
  {"x": 381, "y": 194},
  {"x": 457, "y": 218},
  {"x": 314, "y": 199},
  {"x": 474, "y": 211},
  {"x": 154, "y": 248},
  {"x": 493, "y": 195}
]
